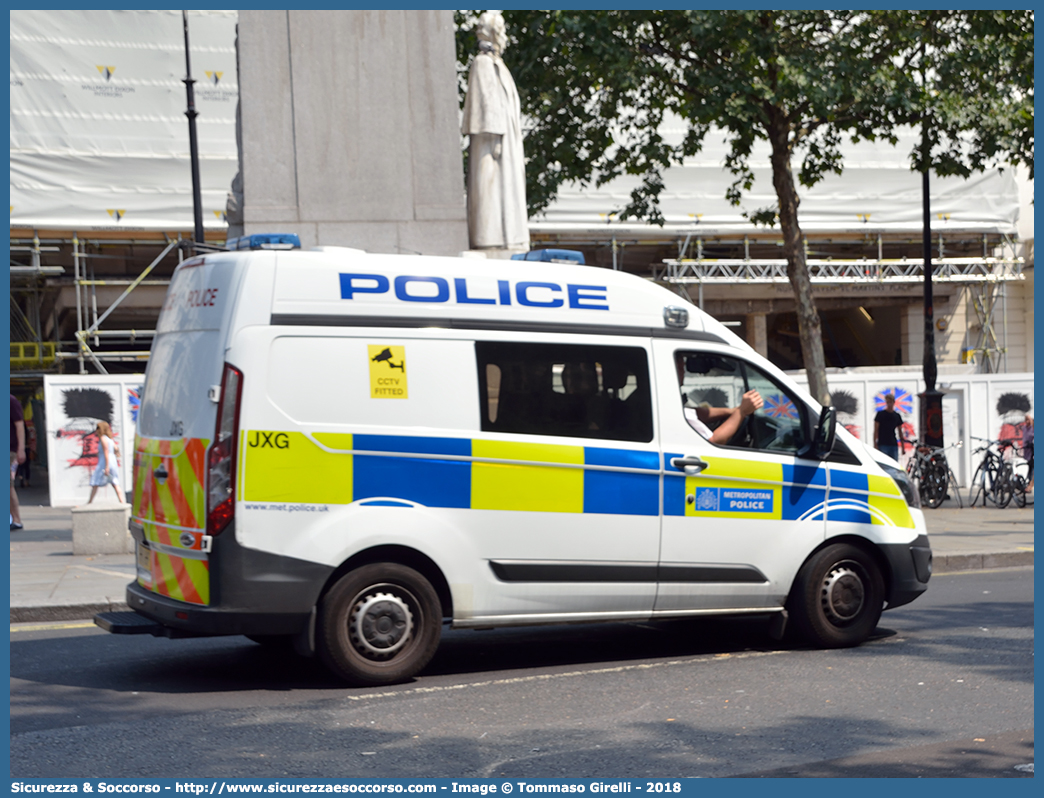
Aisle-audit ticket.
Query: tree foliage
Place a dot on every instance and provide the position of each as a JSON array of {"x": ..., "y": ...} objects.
[{"x": 597, "y": 85}]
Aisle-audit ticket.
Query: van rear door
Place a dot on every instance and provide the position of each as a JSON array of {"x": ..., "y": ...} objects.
[{"x": 175, "y": 427}]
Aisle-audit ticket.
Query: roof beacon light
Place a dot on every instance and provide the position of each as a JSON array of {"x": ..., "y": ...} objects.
[
  {"x": 674, "y": 316},
  {"x": 552, "y": 256},
  {"x": 265, "y": 241}
]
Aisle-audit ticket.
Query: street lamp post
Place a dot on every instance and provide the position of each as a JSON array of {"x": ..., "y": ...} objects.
[
  {"x": 197, "y": 201},
  {"x": 931, "y": 399}
]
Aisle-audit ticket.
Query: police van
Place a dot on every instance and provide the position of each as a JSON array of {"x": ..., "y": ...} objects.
[{"x": 348, "y": 451}]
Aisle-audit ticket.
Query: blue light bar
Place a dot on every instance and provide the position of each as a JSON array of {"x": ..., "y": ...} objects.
[
  {"x": 552, "y": 256},
  {"x": 265, "y": 241}
]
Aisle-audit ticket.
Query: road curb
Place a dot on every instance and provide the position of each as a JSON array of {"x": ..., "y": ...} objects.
[
  {"x": 64, "y": 612},
  {"x": 950, "y": 563},
  {"x": 942, "y": 564}
]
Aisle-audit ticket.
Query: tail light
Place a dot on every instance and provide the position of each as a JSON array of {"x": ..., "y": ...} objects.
[{"x": 221, "y": 461}]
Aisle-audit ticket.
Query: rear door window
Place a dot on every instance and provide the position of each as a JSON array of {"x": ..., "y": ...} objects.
[{"x": 182, "y": 368}]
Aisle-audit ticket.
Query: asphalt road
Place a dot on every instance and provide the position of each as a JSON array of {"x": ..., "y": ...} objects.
[{"x": 944, "y": 689}]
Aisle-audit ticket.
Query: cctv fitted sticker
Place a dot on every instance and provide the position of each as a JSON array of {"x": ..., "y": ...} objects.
[{"x": 387, "y": 372}]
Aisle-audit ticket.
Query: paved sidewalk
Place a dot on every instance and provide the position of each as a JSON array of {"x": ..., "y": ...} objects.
[{"x": 49, "y": 583}]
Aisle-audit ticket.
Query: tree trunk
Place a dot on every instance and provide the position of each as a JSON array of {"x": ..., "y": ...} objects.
[{"x": 810, "y": 331}]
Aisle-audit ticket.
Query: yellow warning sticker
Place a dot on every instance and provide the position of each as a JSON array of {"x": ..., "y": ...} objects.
[{"x": 387, "y": 372}]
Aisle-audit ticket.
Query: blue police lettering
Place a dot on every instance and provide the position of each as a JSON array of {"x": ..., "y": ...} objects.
[
  {"x": 403, "y": 281},
  {"x": 462, "y": 294},
  {"x": 578, "y": 296},
  {"x": 522, "y": 295},
  {"x": 527, "y": 294},
  {"x": 505, "y": 292},
  {"x": 349, "y": 288}
]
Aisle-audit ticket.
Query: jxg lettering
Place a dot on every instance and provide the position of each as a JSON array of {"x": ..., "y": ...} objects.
[
  {"x": 269, "y": 440},
  {"x": 436, "y": 290}
]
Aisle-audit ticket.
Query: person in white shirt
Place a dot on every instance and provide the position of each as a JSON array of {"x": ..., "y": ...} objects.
[{"x": 730, "y": 417}]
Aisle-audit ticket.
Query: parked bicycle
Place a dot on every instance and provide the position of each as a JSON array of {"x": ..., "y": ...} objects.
[
  {"x": 1017, "y": 468},
  {"x": 931, "y": 470},
  {"x": 995, "y": 480}
]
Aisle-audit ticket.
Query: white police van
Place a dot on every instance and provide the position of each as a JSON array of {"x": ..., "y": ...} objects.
[{"x": 346, "y": 450}]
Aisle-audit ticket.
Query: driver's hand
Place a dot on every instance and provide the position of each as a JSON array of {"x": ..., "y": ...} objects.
[{"x": 750, "y": 403}]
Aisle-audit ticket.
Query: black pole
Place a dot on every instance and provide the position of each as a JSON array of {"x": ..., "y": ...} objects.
[
  {"x": 931, "y": 399},
  {"x": 197, "y": 200}
]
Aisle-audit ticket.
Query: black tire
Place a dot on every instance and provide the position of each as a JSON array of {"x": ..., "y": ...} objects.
[
  {"x": 837, "y": 597},
  {"x": 979, "y": 487},
  {"x": 1018, "y": 490},
  {"x": 933, "y": 483},
  {"x": 1002, "y": 487},
  {"x": 379, "y": 624}
]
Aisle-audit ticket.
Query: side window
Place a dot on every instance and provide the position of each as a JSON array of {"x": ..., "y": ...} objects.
[
  {"x": 712, "y": 392},
  {"x": 565, "y": 389}
]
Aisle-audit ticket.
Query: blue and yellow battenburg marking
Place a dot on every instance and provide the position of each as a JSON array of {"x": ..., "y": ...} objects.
[{"x": 340, "y": 468}]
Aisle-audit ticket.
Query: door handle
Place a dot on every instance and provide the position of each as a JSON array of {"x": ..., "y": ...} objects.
[{"x": 690, "y": 465}]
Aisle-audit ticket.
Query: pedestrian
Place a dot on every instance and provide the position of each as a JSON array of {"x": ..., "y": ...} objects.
[
  {"x": 25, "y": 469},
  {"x": 17, "y": 457},
  {"x": 1027, "y": 449},
  {"x": 107, "y": 470},
  {"x": 886, "y": 422}
]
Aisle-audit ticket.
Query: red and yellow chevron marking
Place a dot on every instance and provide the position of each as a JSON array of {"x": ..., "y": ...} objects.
[
  {"x": 180, "y": 500},
  {"x": 180, "y": 578},
  {"x": 168, "y": 510}
]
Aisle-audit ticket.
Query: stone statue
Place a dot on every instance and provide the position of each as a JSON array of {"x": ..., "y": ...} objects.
[{"x": 497, "y": 217}]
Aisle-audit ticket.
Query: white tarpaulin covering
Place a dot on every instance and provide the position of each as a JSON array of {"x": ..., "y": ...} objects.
[
  {"x": 99, "y": 136},
  {"x": 876, "y": 191},
  {"x": 99, "y": 140}
]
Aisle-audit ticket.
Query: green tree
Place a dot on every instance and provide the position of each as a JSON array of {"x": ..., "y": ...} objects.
[{"x": 595, "y": 86}]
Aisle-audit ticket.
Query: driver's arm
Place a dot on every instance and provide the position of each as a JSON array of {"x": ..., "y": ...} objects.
[
  {"x": 748, "y": 405},
  {"x": 708, "y": 414}
]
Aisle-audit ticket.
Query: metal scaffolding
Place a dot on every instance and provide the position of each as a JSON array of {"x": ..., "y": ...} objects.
[{"x": 986, "y": 277}]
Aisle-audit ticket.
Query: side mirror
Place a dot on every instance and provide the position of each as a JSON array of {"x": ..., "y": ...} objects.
[{"x": 826, "y": 431}]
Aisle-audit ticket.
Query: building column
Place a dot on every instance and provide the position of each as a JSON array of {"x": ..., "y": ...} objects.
[{"x": 757, "y": 333}]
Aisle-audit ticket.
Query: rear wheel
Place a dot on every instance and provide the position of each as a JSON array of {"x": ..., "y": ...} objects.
[
  {"x": 933, "y": 484},
  {"x": 837, "y": 597},
  {"x": 379, "y": 624},
  {"x": 1002, "y": 488}
]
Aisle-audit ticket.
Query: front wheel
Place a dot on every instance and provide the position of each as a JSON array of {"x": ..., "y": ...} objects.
[
  {"x": 837, "y": 597},
  {"x": 1018, "y": 490},
  {"x": 980, "y": 489},
  {"x": 379, "y": 624}
]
